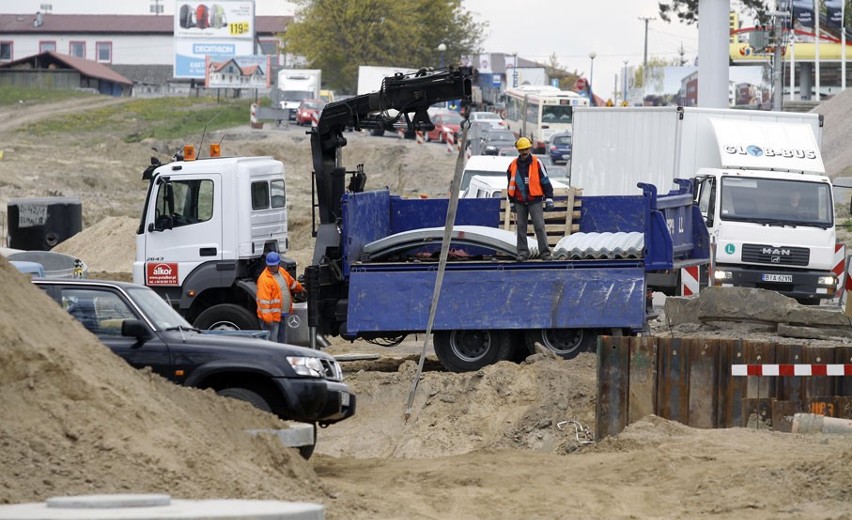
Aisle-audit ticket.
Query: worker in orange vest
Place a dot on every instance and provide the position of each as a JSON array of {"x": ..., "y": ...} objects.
[
  {"x": 275, "y": 288},
  {"x": 529, "y": 186}
]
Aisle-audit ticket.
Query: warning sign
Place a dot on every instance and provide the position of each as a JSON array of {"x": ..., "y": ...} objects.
[{"x": 161, "y": 274}]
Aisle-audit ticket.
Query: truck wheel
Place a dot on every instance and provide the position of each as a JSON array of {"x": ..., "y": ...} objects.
[
  {"x": 565, "y": 343},
  {"x": 226, "y": 316},
  {"x": 469, "y": 350}
]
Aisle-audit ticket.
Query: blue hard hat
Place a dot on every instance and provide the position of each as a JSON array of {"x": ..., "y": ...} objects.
[{"x": 273, "y": 259}]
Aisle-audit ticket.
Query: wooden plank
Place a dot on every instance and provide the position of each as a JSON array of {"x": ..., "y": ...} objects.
[
  {"x": 612, "y": 399},
  {"x": 642, "y": 395},
  {"x": 759, "y": 353},
  {"x": 789, "y": 388},
  {"x": 782, "y": 414},
  {"x": 818, "y": 386},
  {"x": 731, "y": 390},
  {"x": 673, "y": 381},
  {"x": 703, "y": 376}
]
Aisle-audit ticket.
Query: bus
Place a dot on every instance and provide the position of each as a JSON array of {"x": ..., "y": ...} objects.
[{"x": 538, "y": 111}]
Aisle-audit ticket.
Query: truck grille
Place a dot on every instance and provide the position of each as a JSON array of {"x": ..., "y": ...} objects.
[{"x": 765, "y": 254}]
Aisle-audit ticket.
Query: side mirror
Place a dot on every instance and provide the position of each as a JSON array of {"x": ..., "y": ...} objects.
[{"x": 135, "y": 329}]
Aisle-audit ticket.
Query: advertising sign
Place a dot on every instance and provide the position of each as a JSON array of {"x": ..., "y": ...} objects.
[
  {"x": 222, "y": 19},
  {"x": 191, "y": 55},
  {"x": 221, "y": 30}
]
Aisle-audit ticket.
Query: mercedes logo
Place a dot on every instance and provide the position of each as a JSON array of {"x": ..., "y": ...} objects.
[{"x": 293, "y": 321}]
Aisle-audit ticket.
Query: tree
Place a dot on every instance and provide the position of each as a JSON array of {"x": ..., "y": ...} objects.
[
  {"x": 338, "y": 36},
  {"x": 687, "y": 10},
  {"x": 555, "y": 71}
]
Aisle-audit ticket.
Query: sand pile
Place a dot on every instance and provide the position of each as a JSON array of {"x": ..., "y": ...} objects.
[
  {"x": 76, "y": 419},
  {"x": 108, "y": 246}
]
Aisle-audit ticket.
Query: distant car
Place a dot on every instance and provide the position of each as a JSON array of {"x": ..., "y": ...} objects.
[
  {"x": 445, "y": 122},
  {"x": 488, "y": 117},
  {"x": 294, "y": 383},
  {"x": 309, "y": 109},
  {"x": 485, "y": 166},
  {"x": 498, "y": 141},
  {"x": 560, "y": 147}
]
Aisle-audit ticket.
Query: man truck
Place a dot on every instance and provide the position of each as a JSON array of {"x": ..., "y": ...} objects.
[{"x": 746, "y": 167}]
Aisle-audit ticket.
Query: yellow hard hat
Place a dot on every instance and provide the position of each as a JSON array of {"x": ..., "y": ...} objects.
[{"x": 523, "y": 143}]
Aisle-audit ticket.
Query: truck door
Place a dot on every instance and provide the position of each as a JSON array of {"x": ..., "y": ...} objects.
[
  {"x": 183, "y": 228},
  {"x": 705, "y": 196}
]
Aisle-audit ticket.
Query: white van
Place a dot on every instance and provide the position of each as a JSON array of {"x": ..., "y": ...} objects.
[
  {"x": 490, "y": 186},
  {"x": 484, "y": 166}
]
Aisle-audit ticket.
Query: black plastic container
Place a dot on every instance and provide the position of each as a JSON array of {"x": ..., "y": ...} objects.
[{"x": 39, "y": 224}]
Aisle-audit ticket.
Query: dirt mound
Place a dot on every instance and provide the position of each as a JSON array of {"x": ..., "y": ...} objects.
[
  {"x": 505, "y": 405},
  {"x": 108, "y": 246},
  {"x": 79, "y": 420}
]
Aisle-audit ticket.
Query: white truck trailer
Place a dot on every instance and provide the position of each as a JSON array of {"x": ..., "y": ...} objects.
[
  {"x": 294, "y": 85},
  {"x": 746, "y": 168}
]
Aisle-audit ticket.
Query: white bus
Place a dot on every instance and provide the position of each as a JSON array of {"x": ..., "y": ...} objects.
[{"x": 538, "y": 111}]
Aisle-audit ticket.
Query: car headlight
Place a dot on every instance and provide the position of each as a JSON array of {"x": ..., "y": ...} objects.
[
  {"x": 720, "y": 275},
  {"x": 306, "y": 366}
]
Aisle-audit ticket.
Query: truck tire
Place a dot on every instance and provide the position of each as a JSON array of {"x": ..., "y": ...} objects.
[
  {"x": 565, "y": 343},
  {"x": 226, "y": 316},
  {"x": 257, "y": 400},
  {"x": 469, "y": 350}
]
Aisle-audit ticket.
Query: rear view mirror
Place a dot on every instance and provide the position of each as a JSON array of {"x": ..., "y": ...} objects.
[{"x": 134, "y": 329}]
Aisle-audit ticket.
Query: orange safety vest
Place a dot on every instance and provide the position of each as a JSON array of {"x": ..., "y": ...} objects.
[
  {"x": 270, "y": 300},
  {"x": 535, "y": 189}
]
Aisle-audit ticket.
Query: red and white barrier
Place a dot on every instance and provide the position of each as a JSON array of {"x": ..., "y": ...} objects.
[
  {"x": 841, "y": 270},
  {"x": 799, "y": 370},
  {"x": 689, "y": 278},
  {"x": 400, "y": 133},
  {"x": 450, "y": 139},
  {"x": 253, "y": 118},
  {"x": 419, "y": 137}
]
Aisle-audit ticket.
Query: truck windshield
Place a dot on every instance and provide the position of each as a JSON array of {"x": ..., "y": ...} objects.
[
  {"x": 777, "y": 201},
  {"x": 157, "y": 309}
]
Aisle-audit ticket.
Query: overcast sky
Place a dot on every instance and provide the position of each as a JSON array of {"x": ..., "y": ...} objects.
[{"x": 535, "y": 29}]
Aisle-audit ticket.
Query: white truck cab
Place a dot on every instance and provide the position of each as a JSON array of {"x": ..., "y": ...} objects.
[{"x": 205, "y": 229}]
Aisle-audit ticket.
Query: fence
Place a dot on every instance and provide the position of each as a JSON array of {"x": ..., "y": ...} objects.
[
  {"x": 691, "y": 381},
  {"x": 558, "y": 223}
]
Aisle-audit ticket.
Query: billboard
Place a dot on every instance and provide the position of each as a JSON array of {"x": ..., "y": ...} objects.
[{"x": 219, "y": 30}]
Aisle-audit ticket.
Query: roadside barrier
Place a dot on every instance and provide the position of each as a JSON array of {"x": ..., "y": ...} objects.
[
  {"x": 718, "y": 383},
  {"x": 419, "y": 137},
  {"x": 401, "y": 133},
  {"x": 450, "y": 139},
  {"x": 689, "y": 280},
  {"x": 253, "y": 118}
]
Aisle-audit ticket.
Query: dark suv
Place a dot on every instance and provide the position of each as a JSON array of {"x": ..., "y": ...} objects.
[
  {"x": 560, "y": 147},
  {"x": 295, "y": 383}
]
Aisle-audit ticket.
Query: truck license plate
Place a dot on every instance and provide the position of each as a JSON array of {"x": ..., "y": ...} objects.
[
  {"x": 344, "y": 399},
  {"x": 783, "y": 278}
]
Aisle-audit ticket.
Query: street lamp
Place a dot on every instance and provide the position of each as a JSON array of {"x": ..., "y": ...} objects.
[
  {"x": 442, "y": 48},
  {"x": 624, "y": 79},
  {"x": 592, "y": 56}
]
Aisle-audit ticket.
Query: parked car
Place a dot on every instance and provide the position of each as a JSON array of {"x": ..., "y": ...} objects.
[
  {"x": 445, "y": 122},
  {"x": 294, "y": 383},
  {"x": 488, "y": 117},
  {"x": 560, "y": 147},
  {"x": 309, "y": 109},
  {"x": 498, "y": 141}
]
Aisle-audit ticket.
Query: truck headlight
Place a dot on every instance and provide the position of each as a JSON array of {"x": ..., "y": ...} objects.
[
  {"x": 720, "y": 275},
  {"x": 306, "y": 366},
  {"x": 827, "y": 280}
]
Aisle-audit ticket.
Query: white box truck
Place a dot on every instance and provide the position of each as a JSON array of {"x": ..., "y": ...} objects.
[
  {"x": 758, "y": 178},
  {"x": 294, "y": 85}
]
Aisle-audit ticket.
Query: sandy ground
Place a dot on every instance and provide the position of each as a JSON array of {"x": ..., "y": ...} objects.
[{"x": 500, "y": 443}]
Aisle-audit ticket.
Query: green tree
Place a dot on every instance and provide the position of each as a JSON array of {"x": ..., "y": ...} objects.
[
  {"x": 687, "y": 10},
  {"x": 555, "y": 71},
  {"x": 338, "y": 36}
]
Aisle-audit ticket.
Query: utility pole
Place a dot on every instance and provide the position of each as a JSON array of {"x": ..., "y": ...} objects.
[
  {"x": 777, "y": 64},
  {"x": 646, "y": 19}
]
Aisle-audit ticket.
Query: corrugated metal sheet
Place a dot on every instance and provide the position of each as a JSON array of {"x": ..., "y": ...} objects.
[
  {"x": 500, "y": 240},
  {"x": 583, "y": 246}
]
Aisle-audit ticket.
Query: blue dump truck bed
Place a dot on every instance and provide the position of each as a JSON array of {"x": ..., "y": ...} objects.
[{"x": 508, "y": 301}]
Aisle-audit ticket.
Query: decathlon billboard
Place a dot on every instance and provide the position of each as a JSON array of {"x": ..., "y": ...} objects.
[{"x": 220, "y": 30}]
